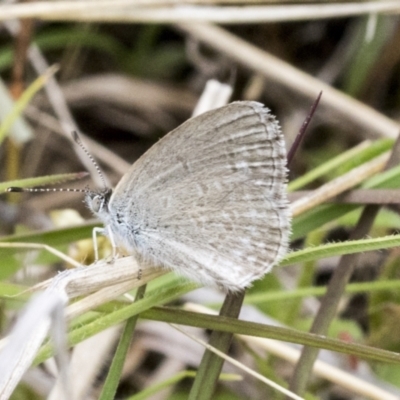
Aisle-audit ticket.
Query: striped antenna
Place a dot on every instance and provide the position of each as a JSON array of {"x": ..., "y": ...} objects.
[
  {"x": 62, "y": 178},
  {"x": 16, "y": 189},
  {"x": 78, "y": 141}
]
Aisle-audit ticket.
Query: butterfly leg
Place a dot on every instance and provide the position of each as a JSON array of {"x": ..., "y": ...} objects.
[
  {"x": 114, "y": 255},
  {"x": 96, "y": 231},
  {"x": 109, "y": 234}
]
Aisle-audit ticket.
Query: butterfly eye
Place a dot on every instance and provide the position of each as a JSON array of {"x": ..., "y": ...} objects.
[{"x": 97, "y": 203}]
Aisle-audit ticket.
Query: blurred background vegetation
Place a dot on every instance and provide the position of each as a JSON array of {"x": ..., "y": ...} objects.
[{"x": 128, "y": 74}]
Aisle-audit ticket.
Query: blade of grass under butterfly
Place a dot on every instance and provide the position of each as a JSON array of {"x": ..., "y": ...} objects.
[
  {"x": 118, "y": 315},
  {"x": 114, "y": 374},
  {"x": 211, "y": 364}
]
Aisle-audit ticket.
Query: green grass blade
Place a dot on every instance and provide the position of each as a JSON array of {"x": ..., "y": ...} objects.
[
  {"x": 344, "y": 162},
  {"x": 340, "y": 248},
  {"x": 23, "y": 101},
  {"x": 114, "y": 374},
  {"x": 20, "y": 131},
  {"x": 226, "y": 324},
  {"x": 318, "y": 291},
  {"x": 319, "y": 216}
]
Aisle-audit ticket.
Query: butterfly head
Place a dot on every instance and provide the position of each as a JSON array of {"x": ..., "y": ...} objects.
[{"x": 98, "y": 201}]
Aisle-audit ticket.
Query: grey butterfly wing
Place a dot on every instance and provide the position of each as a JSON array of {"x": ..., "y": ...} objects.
[{"x": 209, "y": 199}]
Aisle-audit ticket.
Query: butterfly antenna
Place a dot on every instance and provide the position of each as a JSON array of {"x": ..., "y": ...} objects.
[
  {"x": 16, "y": 189},
  {"x": 78, "y": 141}
]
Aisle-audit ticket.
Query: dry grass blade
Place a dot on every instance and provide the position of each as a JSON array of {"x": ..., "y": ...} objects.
[
  {"x": 340, "y": 106},
  {"x": 88, "y": 279},
  {"x": 26, "y": 337},
  {"x": 33, "y": 326},
  {"x": 85, "y": 363},
  {"x": 339, "y": 185},
  {"x": 215, "y": 94},
  {"x": 357, "y": 196},
  {"x": 136, "y": 11}
]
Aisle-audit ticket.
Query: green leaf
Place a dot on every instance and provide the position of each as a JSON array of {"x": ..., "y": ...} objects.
[
  {"x": 114, "y": 374},
  {"x": 23, "y": 101}
]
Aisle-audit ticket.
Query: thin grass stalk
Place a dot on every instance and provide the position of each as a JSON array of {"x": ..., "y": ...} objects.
[
  {"x": 319, "y": 291},
  {"x": 134, "y": 11},
  {"x": 233, "y": 325},
  {"x": 114, "y": 374},
  {"x": 211, "y": 364}
]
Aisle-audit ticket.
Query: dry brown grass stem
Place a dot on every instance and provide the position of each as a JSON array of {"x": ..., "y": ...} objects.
[
  {"x": 172, "y": 12},
  {"x": 340, "y": 106}
]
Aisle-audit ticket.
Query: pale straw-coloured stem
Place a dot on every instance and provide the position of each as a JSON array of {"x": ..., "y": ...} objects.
[
  {"x": 339, "y": 185},
  {"x": 172, "y": 11}
]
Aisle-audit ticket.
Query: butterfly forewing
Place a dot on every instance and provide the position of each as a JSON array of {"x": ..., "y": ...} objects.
[{"x": 209, "y": 199}]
